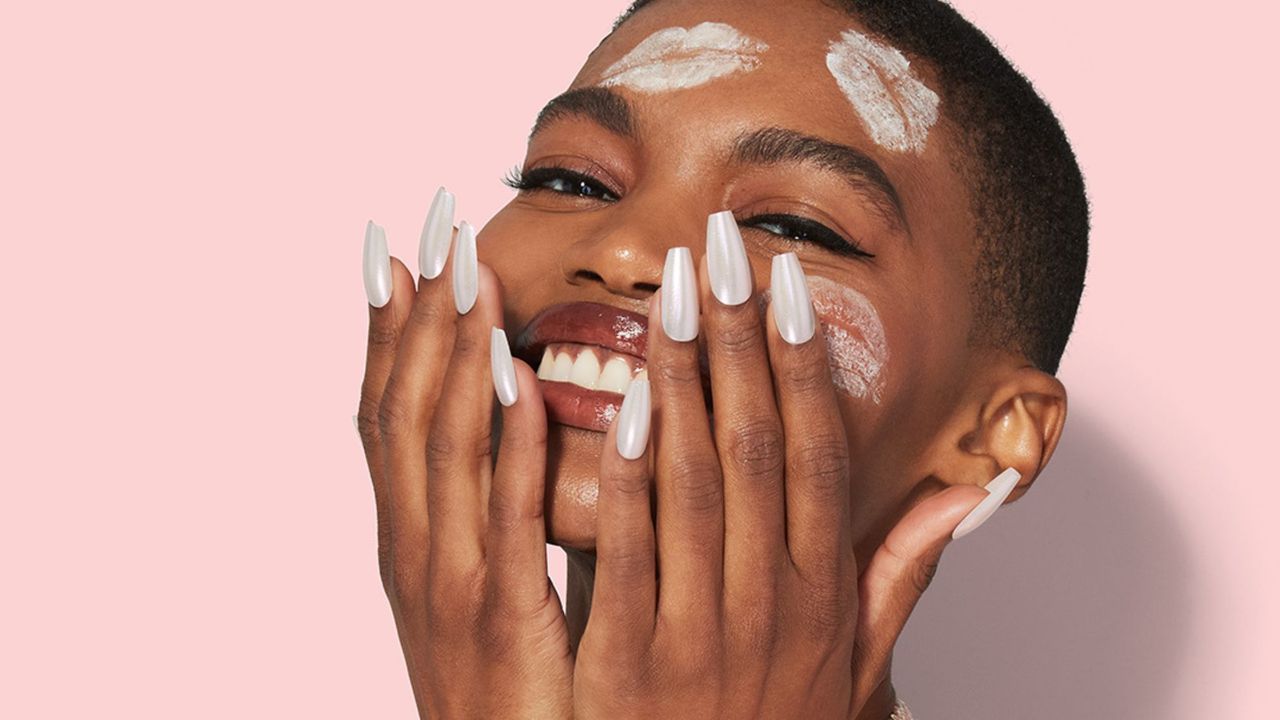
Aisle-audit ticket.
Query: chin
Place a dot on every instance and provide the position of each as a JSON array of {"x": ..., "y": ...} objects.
[{"x": 573, "y": 484}]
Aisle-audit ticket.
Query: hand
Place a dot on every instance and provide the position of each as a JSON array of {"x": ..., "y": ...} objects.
[
  {"x": 758, "y": 610},
  {"x": 461, "y": 543}
]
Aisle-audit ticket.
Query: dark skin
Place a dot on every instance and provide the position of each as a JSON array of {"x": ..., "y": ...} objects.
[{"x": 788, "y": 566}]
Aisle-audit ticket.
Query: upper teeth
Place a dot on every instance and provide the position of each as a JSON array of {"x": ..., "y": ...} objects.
[{"x": 581, "y": 366}]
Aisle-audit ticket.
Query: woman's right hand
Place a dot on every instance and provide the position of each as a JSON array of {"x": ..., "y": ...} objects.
[{"x": 461, "y": 544}]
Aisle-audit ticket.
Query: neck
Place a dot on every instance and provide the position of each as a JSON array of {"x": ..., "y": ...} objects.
[{"x": 581, "y": 579}]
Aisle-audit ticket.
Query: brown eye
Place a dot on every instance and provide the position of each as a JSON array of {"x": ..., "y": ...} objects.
[{"x": 562, "y": 181}]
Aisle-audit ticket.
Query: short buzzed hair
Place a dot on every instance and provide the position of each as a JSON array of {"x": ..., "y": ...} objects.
[{"x": 1027, "y": 193}]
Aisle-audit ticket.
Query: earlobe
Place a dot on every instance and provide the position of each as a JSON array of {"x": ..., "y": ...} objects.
[{"x": 1015, "y": 424}]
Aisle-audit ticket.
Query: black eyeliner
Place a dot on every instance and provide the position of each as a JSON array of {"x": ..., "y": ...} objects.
[{"x": 810, "y": 231}]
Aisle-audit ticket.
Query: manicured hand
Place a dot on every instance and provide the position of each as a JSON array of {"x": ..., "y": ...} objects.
[
  {"x": 461, "y": 541},
  {"x": 743, "y": 599}
]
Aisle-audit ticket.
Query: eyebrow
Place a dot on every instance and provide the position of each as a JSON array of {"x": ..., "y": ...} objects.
[
  {"x": 772, "y": 146},
  {"x": 600, "y": 105},
  {"x": 766, "y": 146}
]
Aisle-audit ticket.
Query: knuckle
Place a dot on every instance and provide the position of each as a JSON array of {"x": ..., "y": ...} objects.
[
  {"x": 454, "y": 595},
  {"x": 628, "y": 559},
  {"x": 448, "y": 443},
  {"x": 367, "y": 421},
  {"x": 672, "y": 371},
  {"x": 506, "y": 513},
  {"x": 740, "y": 336},
  {"x": 630, "y": 486},
  {"x": 383, "y": 337},
  {"x": 824, "y": 465},
  {"x": 696, "y": 484},
  {"x": 806, "y": 377},
  {"x": 405, "y": 586},
  {"x": 430, "y": 312},
  {"x": 467, "y": 344},
  {"x": 757, "y": 450},
  {"x": 394, "y": 416},
  {"x": 922, "y": 574}
]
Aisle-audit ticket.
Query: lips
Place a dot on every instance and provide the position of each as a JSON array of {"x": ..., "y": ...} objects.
[{"x": 586, "y": 355}]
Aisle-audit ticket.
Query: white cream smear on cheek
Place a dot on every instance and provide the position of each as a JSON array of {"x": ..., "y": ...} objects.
[
  {"x": 897, "y": 109},
  {"x": 677, "y": 58},
  {"x": 857, "y": 350}
]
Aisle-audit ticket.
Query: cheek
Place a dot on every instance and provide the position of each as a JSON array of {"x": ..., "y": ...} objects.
[{"x": 856, "y": 346}]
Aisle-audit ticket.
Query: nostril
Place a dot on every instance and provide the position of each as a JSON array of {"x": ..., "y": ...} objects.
[
  {"x": 588, "y": 276},
  {"x": 647, "y": 288}
]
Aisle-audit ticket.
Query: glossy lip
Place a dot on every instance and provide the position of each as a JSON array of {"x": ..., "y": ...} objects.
[
  {"x": 582, "y": 323},
  {"x": 585, "y": 323}
]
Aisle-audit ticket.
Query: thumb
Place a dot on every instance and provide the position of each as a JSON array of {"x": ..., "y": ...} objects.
[{"x": 903, "y": 566}]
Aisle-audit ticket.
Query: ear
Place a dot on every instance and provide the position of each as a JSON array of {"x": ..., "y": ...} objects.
[{"x": 1012, "y": 419}]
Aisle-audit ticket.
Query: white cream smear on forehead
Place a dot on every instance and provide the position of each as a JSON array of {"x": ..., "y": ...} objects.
[
  {"x": 677, "y": 58},
  {"x": 895, "y": 106},
  {"x": 857, "y": 350}
]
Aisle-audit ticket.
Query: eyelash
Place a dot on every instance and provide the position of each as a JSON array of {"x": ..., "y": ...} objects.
[{"x": 793, "y": 227}]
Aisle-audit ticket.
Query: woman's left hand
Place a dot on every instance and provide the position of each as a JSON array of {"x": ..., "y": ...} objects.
[{"x": 760, "y": 610}]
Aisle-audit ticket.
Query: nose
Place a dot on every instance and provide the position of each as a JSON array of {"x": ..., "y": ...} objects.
[{"x": 626, "y": 253}]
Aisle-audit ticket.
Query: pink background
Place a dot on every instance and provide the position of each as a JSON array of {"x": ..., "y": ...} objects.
[{"x": 186, "y": 523}]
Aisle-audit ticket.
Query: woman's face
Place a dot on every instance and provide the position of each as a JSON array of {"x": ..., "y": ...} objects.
[{"x": 659, "y": 132}]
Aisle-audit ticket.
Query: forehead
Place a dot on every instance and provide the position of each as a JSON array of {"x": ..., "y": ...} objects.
[{"x": 804, "y": 64}]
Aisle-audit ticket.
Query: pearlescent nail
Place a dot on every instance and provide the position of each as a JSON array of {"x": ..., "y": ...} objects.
[
  {"x": 791, "y": 305},
  {"x": 466, "y": 273},
  {"x": 998, "y": 490},
  {"x": 727, "y": 264},
  {"x": 377, "y": 266},
  {"x": 437, "y": 234},
  {"x": 679, "y": 296},
  {"x": 633, "y": 420},
  {"x": 503, "y": 368}
]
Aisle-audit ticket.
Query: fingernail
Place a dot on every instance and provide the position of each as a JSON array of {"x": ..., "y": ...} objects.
[
  {"x": 792, "y": 307},
  {"x": 377, "y": 266},
  {"x": 466, "y": 275},
  {"x": 633, "y": 420},
  {"x": 437, "y": 233},
  {"x": 999, "y": 490},
  {"x": 727, "y": 264},
  {"x": 679, "y": 296},
  {"x": 504, "y": 370}
]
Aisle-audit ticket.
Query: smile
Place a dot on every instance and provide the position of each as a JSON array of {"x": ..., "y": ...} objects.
[{"x": 586, "y": 355}]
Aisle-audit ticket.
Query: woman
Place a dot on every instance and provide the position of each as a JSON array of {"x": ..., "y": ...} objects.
[{"x": 786, "y": 285}]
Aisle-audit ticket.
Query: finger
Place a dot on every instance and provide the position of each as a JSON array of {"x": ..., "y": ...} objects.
[
  {"x": 690, "y": 498},
  {"x": 817, "y": 456},
  {"x": 459, "y": 446},
  {"x": 747, "y": 427},
  {"x": 390, "y": 292},
  {"x": 903, "y": 566},
  {"x": 625, "y": 586},
  {"x": 404, "y": 417},
  {"x": 389, "y": 289},
  {"x": 516, "y": 535}
]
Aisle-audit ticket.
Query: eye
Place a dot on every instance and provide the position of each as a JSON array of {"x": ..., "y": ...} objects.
[
  {"x": 801, "y": 229},
  {"x": 562, "y": 181}
]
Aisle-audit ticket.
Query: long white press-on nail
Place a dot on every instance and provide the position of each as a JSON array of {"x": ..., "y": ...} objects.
[
  {"x": 998, "y": 490},
  {"x": 679, "y": 296},
  {"x": 504, "y": 370},
  {"x": 377, "y": 266},
  {"x": 437, "y": 233},
  {"x": 727, "y": 264},
  {"x": 466, "y": 274},
  {"x": 792, "y": 307},
  {"x": 633, "y": 420}
]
